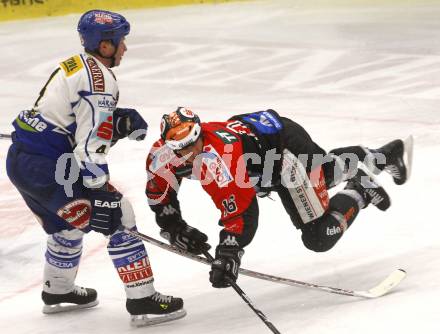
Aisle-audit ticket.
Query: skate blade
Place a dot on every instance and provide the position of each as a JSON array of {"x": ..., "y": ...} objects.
[
  {"x": 408, "y": 144},
  {"x": 64, "y": 307},
  {"x": 154, "y": 319}
]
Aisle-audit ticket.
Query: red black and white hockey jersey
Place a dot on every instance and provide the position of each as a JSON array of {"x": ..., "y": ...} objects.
[{"x": 221, "y": 169}]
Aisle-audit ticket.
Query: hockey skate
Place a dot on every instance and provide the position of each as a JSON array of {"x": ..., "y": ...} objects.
[
  {"x": 154, "y": 309},
  {"x": 79, "y": 298},
  {"x": 398, "y": 160},
  {"x": 370, "y": 190}
]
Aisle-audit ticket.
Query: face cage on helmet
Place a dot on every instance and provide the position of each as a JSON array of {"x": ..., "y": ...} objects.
[{"x": 189, "y": 140}]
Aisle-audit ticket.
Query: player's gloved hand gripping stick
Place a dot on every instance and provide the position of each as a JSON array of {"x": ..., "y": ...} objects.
[
  {"x": 224, "y": 268},
  {"x": 186, "y": 237}
]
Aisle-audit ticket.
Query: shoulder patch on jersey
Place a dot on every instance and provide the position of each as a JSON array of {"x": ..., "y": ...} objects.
[
  {"x": 72, "y": 65},
  {"x": 97, "y": 75}
]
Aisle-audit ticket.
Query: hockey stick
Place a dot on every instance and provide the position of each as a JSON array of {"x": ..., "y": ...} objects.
[
  {"x": 5, "y": 136},
  {"x": 246, "y": 299},
  {"x": 377, "y": 291}
]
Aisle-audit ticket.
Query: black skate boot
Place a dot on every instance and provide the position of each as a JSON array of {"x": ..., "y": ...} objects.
[
  {"x": 370, "y": 190},
  {"x": 79, "y": 298},
  {"x": 397, "y": 162},
  {"x": 154, "y": 309}
]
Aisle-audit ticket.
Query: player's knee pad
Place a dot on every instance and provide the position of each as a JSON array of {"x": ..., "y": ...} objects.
[
  {"x": 322, "y": 234},
  {"x": 64, "y": 248},
  {"x": 316, "y": 244}
]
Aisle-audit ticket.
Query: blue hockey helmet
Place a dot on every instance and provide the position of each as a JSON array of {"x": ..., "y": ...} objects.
[{"x": 97, "y": 25}]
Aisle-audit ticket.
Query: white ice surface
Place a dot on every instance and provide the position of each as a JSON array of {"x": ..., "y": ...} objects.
[{"x": 349, "y": 74}]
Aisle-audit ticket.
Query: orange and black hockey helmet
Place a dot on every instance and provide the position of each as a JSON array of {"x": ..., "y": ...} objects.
[{"x": 180, "y": 128}]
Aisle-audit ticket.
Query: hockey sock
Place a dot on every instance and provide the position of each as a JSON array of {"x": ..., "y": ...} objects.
[
  {"x": 131, "y": 261},
  {"x": 358, "y": 151},
  {"x": 339, "y": 169},
  {"x": 345, "y": 164},
  {"x": 62, "y": 258}
]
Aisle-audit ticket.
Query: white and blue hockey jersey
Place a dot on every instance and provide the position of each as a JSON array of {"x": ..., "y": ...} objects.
[{"x": 73, "y": 114}]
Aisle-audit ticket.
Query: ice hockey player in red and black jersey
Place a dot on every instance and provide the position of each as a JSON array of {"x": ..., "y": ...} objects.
[{"x": 251, "y": 155}]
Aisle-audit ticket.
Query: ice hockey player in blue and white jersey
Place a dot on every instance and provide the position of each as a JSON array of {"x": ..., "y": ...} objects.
[{"x": 66, "y": 136}]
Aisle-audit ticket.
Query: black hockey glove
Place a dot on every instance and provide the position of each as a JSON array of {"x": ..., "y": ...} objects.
[
  {"x": 224, "y": 268},
  {"x": 182, "y": 235},
  {"x": 128, "y": 122},
  {"x": 106, "y": 212}
]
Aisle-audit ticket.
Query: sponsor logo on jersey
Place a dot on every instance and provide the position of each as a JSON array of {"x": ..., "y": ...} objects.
[
  {"x": 135, "y": 271},
  {"x": 97, "y": 75},
  {"x": 28, "y": 122},
  {"x": 72, "y": 65},
  {"x": 216, "y": 166},
  {"x": 107, "y": 103},
  {"x": 105, "y": 129},
  {"x": 76, "y": 213}
]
